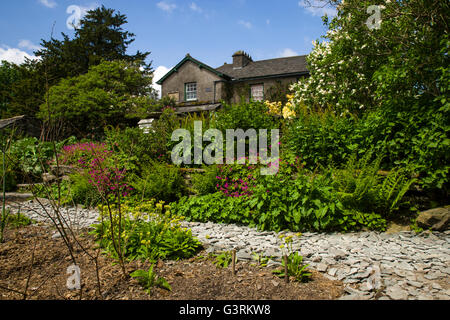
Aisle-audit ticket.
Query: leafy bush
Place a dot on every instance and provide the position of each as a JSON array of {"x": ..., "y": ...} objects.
[
  {"x": 245, "y": 116},
  {"x": 10, "y": 177},
  {"x": 214, "y": 207},
  {"x": 320, "y": 138},
  {"x": 160, "y": 181},
  {"x": 205, "y": 183},
  {"x": 148, "y": 231},
  {"x": 31, "y": 157},
  {"x": 416, "y": 139},
  {"x": 298, "y": 200},
  {"x": 361, "y": 187},
  {"x": 223, "y": 259},
  {"x": 83, "y": 192}
]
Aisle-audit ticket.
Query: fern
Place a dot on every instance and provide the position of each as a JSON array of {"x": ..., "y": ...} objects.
[{"x": 360, "y": 186}]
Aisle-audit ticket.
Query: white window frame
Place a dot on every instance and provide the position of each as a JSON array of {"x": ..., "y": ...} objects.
[{"x": 190, "y": 91}]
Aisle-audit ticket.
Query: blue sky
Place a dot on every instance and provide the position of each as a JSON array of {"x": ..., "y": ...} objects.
[{"x": 210, "y": 31}]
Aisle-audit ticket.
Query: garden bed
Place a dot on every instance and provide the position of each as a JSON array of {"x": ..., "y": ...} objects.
[{"x": 197, "y": 278}]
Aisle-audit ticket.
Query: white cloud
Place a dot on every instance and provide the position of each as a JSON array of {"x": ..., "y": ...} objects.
[
  {"x": 14, "y": 55},
  {"x": 318, "y": 8},
  {"x": 48, "y": 3},
  {"x": 166, "y": 6},
  {"x": 28, "y": 45},
  {"x": 287, "y": 53},
  {"x": 195, "y": 7},
  {"x": 246, "y": 24},
  {"x": 268, "y": 21},
  {"x": 158, "y": 74}
]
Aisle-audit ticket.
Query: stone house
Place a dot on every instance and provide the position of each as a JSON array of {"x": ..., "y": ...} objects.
[{"x": 193, "y": 83}]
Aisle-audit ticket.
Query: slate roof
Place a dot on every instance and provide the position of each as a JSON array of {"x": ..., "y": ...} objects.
[
  {"x": 265, "y": 68},
  {"x": 197, "y": 62}
]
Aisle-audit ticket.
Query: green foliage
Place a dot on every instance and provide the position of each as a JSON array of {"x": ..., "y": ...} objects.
[
  {"x": 295, "y": 267},
  {"x": 395, "y": 78},
  {"x": 18, "y": 220},
  {"x": 9, "y": 74},
  {"x": 223, "y": 259},
  {"x": 31, "y": 157},
  {"x": 148, "y": 232},
  {"x": 83, "y": 192},
  {"x": 261, "y": 259},
  {"x": 360, "y": 186},
  {"x": 26, "y": 93},
  {"x": 320, "y": 138},
  {"x": 214, "y": 207},
  {"x": 149, "y": 279},
  {"x": 10, "y": 176},
  {"x": 416, "y": 139},
  {"x": 246, "y": 115},
  {"x": 295, "y": 199},
  {"x": 205, "y": 183},
  {"x": 100, "y": 37},
  {"x": 106, "y": 95},
  {"x": 357, "y": 69},
  {"x": 160, "y": 181}
]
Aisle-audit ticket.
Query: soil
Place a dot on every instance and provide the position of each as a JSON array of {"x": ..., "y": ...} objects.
[{"x": 34, "y": 266}]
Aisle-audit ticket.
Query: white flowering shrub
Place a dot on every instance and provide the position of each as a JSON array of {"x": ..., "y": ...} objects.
[
  {"x": 357, "y": 68},
  {"x": 386, "y": 81}
]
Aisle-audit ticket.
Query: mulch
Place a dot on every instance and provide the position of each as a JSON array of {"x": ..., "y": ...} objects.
[{"x": 34, "y": 266}]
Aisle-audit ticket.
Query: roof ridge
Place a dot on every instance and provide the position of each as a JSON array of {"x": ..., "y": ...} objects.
[{"x": 299, "y": 56}]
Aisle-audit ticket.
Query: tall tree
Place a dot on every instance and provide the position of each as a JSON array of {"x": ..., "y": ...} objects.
[
  {"x": 9, "y": 74},
  {"x": 100, "y": 37},
  {"x": 111, "y": 93}
]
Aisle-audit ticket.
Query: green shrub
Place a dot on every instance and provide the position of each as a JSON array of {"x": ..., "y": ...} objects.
[
  {"x": 205, "y": 183},
  {"x": 320, "y": 138},
  {"x": 306, "y": 201},
  {"x": 214, "y": 207},
  {"x": 10, "y": 178},
  {"x": 83, "y": 192},
  {"x": 415, "y": 139},
  {"x": 149, "y": 231},
  {"x": 32, "y": 157},
  {"x": 160, "y": 181},
  {"x": 360, "y": 186},
  {"x": 246, "y": 115}
]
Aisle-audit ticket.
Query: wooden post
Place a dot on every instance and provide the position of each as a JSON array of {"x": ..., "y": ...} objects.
[
  {"x": 286, "y": 275},
  {"x": 233, "y": 258}
]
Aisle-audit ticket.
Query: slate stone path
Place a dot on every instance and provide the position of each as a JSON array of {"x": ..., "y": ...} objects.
[{"x": 371, "y": 265}]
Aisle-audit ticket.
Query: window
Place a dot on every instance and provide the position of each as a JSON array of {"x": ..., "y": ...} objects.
[
  {"x": 257, "y": 92},
  {"x": 191, "y": 91}
]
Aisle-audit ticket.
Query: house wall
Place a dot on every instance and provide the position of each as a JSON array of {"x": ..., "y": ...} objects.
[
  {"x": 242, "y": 89},
  {"x": 191, "y": 72}
]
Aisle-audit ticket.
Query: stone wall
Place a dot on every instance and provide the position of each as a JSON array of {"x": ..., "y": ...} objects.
[{"x": 191, "y": 72}]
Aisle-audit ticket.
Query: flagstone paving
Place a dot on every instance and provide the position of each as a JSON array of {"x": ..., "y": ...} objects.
[{"x": 372, "y": 265}]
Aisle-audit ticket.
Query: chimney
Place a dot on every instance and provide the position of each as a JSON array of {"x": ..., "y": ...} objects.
[{"x": 241, "y": 59}]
